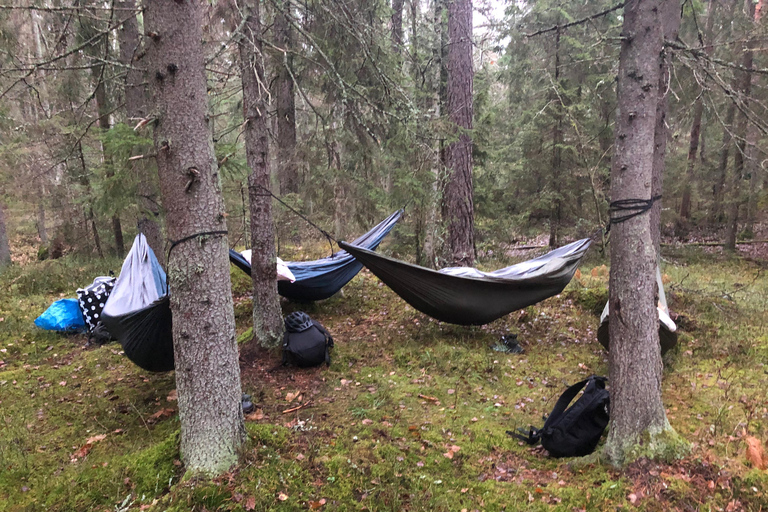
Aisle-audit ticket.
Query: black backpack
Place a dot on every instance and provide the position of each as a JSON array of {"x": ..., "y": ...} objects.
[
  {"x": 576, "y": 431},
  {"x": 307, "y": 347}
]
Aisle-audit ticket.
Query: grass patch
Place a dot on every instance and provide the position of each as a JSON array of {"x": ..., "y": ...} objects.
[{"x": 411, "y": 415}]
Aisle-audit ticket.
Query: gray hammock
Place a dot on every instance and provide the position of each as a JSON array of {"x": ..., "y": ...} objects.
[{"x": 467, "y": 296}]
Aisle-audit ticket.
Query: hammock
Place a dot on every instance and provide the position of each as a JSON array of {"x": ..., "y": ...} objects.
[
  {"x": 320, "y": 279},
  {"x": 138, "y": 311},
  {"x": 667, "y": 327},
  {"x": 467, "y": 296}
]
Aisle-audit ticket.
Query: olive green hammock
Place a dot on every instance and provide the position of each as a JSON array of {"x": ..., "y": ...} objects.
[{"x": 467, "y": 296}]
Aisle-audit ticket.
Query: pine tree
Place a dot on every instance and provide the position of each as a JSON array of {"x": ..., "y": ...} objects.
[
  {"x": 207, "y": 372},
  {"x": 267, "y": 317}
]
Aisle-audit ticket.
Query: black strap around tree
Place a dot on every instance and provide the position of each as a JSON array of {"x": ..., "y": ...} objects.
[
  {"x": 190, "y": 237},
  {"x": 532, "y": 435},
  {"x": 624, "y": 209}
]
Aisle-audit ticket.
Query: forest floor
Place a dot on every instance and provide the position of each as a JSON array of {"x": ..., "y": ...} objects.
[{"x": 411, "y": 415}]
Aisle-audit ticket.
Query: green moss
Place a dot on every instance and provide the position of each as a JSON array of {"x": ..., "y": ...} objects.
[
  {"x": 267, "y": 435},
  {"x": 153, "y": 470},
  {"x": 245, "y": 336},
  {"x": 592, "y": 300},
  {"x": 663, "y": 444}
]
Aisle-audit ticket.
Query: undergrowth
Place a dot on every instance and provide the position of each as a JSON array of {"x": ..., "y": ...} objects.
[{"x": 411, "y": 415}]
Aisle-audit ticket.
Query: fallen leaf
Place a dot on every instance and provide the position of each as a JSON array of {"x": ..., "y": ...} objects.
[
  {"x": 755, "y": 453},
  {"x": 172, "y": 396},
  {"x": 290, "y": 396},
  {"x": 454, "y": 448},
  {"x": 256, "y": 415},
  {"x": 451, "y": 391},
  {"x": 314, "y": 505},
  {"x": 632, "y": 498},
  {"x": 96, "y": 439},
  {"x": 159, "y": 415},
  {"x": 448, "y": 455},
  {"x": 366, "y": 421},
  {"x": 282, "y": 496},
  {"x": 250, "y": 503}
]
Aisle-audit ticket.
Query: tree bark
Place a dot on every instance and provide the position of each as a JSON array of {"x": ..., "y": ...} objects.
[
  {"x": 635, "y": 357},
  {"x": 458, "y": 205},
  {"x": 267, "y": 316},
  {"x": 207, "y": 372},
  {"x": 5, "y": 246},
  {"x": 136, "y": 108},
  {"x": 288, "y": 170}
]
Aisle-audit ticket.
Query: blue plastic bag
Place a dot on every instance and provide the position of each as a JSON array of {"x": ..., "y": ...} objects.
[{"x": 62, "y": 315}]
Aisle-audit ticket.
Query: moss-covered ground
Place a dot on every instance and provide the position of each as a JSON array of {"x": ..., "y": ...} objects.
[{"x": 411, "y": 415}]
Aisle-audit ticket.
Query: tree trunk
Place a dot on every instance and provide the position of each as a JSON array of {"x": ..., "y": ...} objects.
[
  {"x": 136, "y": 109},
  {"x": 90, "y": 215},
  {"x": 698, "y": 110},
  {"x": 742, "y": 125},
  {"x": 429, "y": 257},
  {"x": 288, "y": 170},
  {"x": 5, "y": 247},
  {"x": 670, "y": 18},
  {"x": 635, "y": 357},
  {"x": 722, "y": 167},
  {"x": 754, "y": 170},
  {"x": 102, "y": 108},
  {"x": 397, "y": 25},
  {"x": 458, "y": 207},
  {"x": 42, "y": 231},
  {"x": 267, "y": 316},
  {"x": 557, "y": 151},
  {"x": 207, "y": 372}
]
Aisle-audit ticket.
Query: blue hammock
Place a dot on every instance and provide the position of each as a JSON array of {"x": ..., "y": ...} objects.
[{"x": 320, "y": 279}]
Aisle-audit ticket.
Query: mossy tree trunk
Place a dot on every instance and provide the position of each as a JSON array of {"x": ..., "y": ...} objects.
[
  {"x": 458, "y": 203},
  {"x": 637, "y": 412},
  {"x": 207, "y": 372},
  {"x": 136, "y": 109},
  {"x": 267, "y": 317}
]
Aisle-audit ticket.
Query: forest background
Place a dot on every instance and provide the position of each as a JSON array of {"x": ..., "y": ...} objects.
[{"x": 358, "y": 123}]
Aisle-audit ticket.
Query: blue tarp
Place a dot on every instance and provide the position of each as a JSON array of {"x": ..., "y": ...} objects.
[{"x": 63, "y": 315}]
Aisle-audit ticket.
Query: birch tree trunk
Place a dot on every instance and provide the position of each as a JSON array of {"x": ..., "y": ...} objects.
[
  {"x": 267, "y": 316},
  {"x": 207, "y": 372},
  {"x": 458, "y": 205},
  {"x": 637, "y": 412}
]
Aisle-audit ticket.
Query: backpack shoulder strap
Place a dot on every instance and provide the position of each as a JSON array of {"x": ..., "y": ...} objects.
[
  {"x": 328, "y": 337},
  {"x": 566, "y": 398}
]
